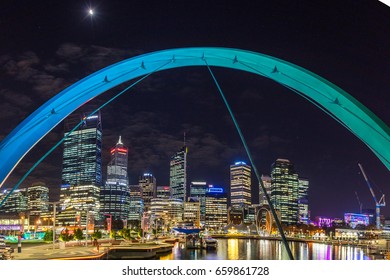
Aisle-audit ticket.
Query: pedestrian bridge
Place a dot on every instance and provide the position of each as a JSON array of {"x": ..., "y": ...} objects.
[{"x": 338, "y": 104}]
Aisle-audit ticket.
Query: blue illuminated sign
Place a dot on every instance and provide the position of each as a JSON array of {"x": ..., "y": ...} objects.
[{"x": 215, "y": 190}]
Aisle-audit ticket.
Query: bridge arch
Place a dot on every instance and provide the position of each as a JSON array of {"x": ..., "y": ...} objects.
[
  {"x": 264, "y": 220},
  {"x": 337, "y": 103}
]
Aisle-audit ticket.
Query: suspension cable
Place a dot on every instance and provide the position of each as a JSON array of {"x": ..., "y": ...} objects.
[{"x": 278, "y": 224}]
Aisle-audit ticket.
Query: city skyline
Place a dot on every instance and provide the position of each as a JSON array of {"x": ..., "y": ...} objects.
[
  {"x": 288, "y": 193},
  {"x": 345, "y": 43}
]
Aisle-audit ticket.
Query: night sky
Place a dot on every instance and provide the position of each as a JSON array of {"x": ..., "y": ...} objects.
[{"x": 48, "y": 45}]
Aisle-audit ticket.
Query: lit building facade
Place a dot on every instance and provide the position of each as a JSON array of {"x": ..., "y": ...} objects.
[
  {"x": 191, "y": 215},
  {"x": 178, "y": 174},
  {"x": 37, "y": 200},
  {"x": 216, "y": 209},
  {"x": 322, "y": 221},
  {"x": 13, "y": 224},
  {"x": 81, "y": 168},
  {"x": 168, "y": 209},
  {"x": 159, "y": 208},
  {"x": 147, "y": 182},
  {"x": 16, "y": 202},
  {"x": 163, "y": 192},
  {"x": 285, "y": 191},
  {"x": 199, "y": 190},
  {"x": 175, "y": 210},
  {"x": 235, "y": 215},
  {"x": 303, "y": 201},
  {"x": 354, "y": 219},
  {"x": 250, "y": 214},
  {"x": 240, "y": 185},
  {"x": 115, "y": 194},
  {"x": 136, "y": 205}
]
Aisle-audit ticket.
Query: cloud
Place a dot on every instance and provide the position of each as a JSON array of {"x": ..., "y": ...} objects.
[
  {"x": 21, "y": 67},
  {"x": 48, "y": 85},
  {"x": 146, "y": 122},
  {"x": 70, "y": 51},
  {"x": 92, "y": 58},
  {"x": 15, "y": 98},
  {"x": 57, "y": 68}
]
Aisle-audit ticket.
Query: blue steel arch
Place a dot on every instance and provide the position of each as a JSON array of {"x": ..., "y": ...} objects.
[{"x": 336, "y": 102}]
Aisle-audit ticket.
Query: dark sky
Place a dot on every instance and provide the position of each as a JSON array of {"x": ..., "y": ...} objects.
[{"x": 48, "y": 45}]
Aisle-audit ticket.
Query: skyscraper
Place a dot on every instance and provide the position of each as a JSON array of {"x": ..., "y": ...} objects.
[
  {"x": 115, "y": 194},
  {"x": 240, "y": 185},
  {"x": 147, "y": 182},
  {"x": 216, "y": 208},
  {"x": 199, "y": 190},
  {"x": 285, "y": 190},
  {"x": 178, "y": 174},
  {"x": 136, "y": 206},
  {"x": 81, "y": 167},
  {"x": 303, "y": 201},
  {"x": 37, "y": 198}
]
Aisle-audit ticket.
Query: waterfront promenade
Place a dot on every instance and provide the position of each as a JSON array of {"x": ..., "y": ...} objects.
[
  {"x": 108, "y": 249},
  {"x": 46, "y": 252}
]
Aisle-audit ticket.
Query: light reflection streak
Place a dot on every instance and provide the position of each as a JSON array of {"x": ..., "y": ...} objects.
[
  {"x": 253, "y": 249},
  {"x": 232, "y": 249}
]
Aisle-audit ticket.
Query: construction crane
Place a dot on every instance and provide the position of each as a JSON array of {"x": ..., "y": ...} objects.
[
  {"x": 378, "y": 204},
  {"x": 360, "y": 204}
]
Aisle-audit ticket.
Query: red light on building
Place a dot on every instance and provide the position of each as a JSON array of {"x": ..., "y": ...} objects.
[{"x": 119, "y": 150}]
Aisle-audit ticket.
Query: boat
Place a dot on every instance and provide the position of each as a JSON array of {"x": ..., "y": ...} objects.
[
  {"x": 189, "y": 236},
  {"x": 209, "y": 243},
  {"x": 193, "y": 242}
]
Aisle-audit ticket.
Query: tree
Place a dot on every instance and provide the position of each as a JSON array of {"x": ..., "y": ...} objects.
[
  {"x": 97, "y": 234},
  {"x": 113, "y": 234},
  {"x": 65, "y": 236},
  {"x": 48, "y": 236},
  {"x": 125, "y": 233},
  {"x": 78, "y": 234}
]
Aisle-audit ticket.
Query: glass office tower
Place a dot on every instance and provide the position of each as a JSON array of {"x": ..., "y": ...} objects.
[
  {"x": 81, "y": 168},
  {"x": 115, "y": 194},
  {"x": 285, "y": 191},
  {"x": 240, "y": 185},
  {"x": 178, "y": 174}
]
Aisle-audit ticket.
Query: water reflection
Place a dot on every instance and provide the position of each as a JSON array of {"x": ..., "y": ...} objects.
[
  {"x": 253, "y": 249},
  {"x": 232, "y": 248}
]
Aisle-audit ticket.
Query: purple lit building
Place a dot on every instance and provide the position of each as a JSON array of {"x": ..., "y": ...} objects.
[
  {"x": 324, "y": 221},
  {"x": 353, "y": 219}
]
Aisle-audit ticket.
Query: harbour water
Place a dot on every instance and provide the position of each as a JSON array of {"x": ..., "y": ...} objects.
[{"x": 254, "y": 249}]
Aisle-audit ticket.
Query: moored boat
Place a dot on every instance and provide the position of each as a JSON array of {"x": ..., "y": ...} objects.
[{"x": 209, "y": 243}]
